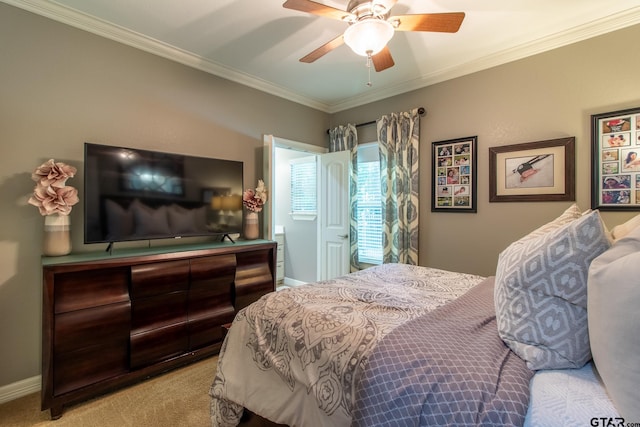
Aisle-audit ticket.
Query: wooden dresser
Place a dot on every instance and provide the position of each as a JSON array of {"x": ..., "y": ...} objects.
[{"x": 111, "y": 320}]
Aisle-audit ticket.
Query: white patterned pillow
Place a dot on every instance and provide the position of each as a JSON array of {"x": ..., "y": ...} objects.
[
  {"x": 541, "y": 294},
  {"x": 614, "y": 298},
  {"x": 621, "y": 230},
  {"x": 570, "y": 214}
]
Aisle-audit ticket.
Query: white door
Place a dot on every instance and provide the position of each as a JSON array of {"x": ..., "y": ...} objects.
[
  {"x": 333, "y": 190},
  {"x": 269, "y": 181}
]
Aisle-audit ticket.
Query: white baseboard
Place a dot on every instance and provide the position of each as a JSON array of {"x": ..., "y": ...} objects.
[
  {"x": 293, "y": 282},
  {"x": 19, "y": 389}
]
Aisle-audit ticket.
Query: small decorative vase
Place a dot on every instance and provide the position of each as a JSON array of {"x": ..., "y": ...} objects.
[
  {"x": 251, "y": 230},
  {"x": 57, "y": 235}
]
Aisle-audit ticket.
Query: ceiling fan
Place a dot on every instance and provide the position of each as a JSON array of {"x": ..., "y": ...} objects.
[{"x": 371, "y": 26}]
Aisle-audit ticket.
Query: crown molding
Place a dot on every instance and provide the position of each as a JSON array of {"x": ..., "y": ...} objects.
[
  {"x": 125, "y": 36},
  {"x": 139, "y": 41},
  {"x": 602, "y": 26}
]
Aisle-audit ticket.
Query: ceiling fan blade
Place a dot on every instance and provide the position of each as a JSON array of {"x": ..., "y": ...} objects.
[
  {"x": 436, "y": 22},
  {"x": 314, "y": 8},
  {"x": 390, "y": 3},
  {"x": 382, "y": 60},
  {"x": 323, "y": 50}
]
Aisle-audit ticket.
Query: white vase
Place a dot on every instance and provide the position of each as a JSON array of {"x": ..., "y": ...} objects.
[
  {"x": 251, "y": 228},
  {"x": 57, "y": 235}
]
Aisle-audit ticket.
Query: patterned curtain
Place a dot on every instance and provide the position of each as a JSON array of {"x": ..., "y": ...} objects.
[
  {"x": 344, "y": 138},
  {"x": 398, "y": 137}
]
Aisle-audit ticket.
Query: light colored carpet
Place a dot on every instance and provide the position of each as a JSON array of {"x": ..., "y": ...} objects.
[{"x": 177, "y": 398}]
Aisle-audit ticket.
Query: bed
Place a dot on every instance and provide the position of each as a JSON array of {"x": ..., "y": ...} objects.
[{"x": 407, "y": 345}]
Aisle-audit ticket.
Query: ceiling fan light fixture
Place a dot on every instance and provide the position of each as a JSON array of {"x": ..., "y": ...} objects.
[{"x": 368, "y": 36}]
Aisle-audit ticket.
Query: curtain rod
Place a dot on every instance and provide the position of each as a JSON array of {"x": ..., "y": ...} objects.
[{"x": 421, "y": 112}]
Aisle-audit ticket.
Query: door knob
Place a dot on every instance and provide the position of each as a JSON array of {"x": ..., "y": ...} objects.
[{"x": 343, "y": 236}]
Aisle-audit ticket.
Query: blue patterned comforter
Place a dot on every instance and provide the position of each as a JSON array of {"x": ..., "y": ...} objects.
[{"x": 447, "y": 367}]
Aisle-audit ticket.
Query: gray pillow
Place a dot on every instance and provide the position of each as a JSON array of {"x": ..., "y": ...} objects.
[
  {"x": 541, "y": 293},
  {"x": 181, "y": 220},
  {"x": 614, "y": 322},
  {"x": 150, "y": 221},
  {"x": 120, "y": 221},
  {"x": 187, "y": 221}
]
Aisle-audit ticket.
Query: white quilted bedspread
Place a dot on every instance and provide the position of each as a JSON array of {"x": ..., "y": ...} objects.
[{"x": 568, "y": 398}]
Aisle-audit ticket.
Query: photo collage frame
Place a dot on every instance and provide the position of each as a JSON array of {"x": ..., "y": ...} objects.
[
  {"x": 454, "y": 175},
  {"x": 616, "y": 160}
]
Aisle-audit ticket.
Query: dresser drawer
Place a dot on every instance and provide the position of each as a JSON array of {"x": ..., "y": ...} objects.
[
  {"x": 158, "y": 311},
  {"x": 280, "y": 258},
  {"x": 90, "y": 365},
  {"x": 206, "y": 331},
  {"x": 90, "y": 288},
  {"x": 157, "y": 345},
  {"x": 90, "y": 345},
  {"x": 80, "y": 329},
  {"x": 159, "y": 278},
  {"x": 280, "y": 247},
  {"x": 213, "y": 272},
  {"x": 205, "y": 302},
  {"x": 253, "y": 275},
  {"x": 280, "y": 271}
]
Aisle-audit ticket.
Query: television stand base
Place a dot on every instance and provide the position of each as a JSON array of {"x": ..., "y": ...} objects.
[
  {"x": 109, "y": 248},
  {"x": 226, "y": 235}
]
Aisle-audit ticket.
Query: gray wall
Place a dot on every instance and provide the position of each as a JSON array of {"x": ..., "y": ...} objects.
[
  {"x": 551, "y": 95},
  {"x": 61, "y": 87}
]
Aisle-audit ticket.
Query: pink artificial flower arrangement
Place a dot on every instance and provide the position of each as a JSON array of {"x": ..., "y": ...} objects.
[
  {"x": 51, "y": 195},
  {"x": 255, "y": 199}
]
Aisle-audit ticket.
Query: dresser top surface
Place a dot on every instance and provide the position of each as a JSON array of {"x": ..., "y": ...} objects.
[{"x": 147, "y": 251}]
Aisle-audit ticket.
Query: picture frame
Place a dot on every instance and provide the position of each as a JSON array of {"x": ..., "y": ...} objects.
[
  {"x": 539, "y": 171},
  {"x": 453, "y": 172},
  {"x": 615, "y": 160}
]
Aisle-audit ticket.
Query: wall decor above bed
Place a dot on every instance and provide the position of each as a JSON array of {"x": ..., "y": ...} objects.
[
  {"x": 615, "y": 155},
  {"x": 540, "y": 171},
  {"x": 453, "y": 173}
]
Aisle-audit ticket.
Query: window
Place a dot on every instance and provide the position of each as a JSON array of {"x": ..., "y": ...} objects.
[
  {"x": 369, "y": 205},
  {"x": 303, "y": 187}
]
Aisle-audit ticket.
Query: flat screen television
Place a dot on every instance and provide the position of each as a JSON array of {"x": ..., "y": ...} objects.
[{"x": 133, "y": 194}]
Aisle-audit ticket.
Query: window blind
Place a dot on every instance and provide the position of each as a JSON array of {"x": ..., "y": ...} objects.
[
  {"x": 369, "y": 205},
  {"x": 303, "y": 185}
]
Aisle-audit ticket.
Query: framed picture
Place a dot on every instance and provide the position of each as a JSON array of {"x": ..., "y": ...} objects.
[
  {"x": 454, "y": 175},
  {"x": 538, "y": 171},
  {"x": 615, "y": 155}
]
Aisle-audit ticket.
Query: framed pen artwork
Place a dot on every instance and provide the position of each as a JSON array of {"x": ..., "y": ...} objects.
[
  {"x": 533, "y": 172},
  {"x": 615, "y": 154},
  {"x": 453, "y": 169}
]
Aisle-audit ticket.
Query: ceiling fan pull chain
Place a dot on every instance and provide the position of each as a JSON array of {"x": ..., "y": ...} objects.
[{"x": 369, "y": 68}]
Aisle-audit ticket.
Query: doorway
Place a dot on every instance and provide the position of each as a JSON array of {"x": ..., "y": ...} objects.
[{"x": 306, "y": 245}]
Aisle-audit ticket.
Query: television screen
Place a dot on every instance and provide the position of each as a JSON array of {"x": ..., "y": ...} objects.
[{"x": 133, "y": 194}]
